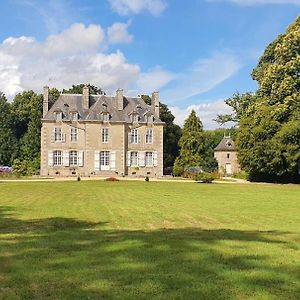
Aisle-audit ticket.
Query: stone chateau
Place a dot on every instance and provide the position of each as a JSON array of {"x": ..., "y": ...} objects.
[{"x": 90, "y": 135}]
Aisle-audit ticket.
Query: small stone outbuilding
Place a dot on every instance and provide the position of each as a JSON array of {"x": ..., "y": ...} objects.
[{"x": 226, "y": 156}]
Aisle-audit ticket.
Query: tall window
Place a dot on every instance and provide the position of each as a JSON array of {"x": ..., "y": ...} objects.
[
  {"x": 149, "y": 159},
  {"x": 134, "y": 136},
  {"x": 104, "y": 158},
  {"x": 133, "y": 159},
  {"x": 149, "y": 136},
  {"x": 57, "y": 134},
  {"x": 57, "y": 158},
  {"x": 74, "y": 134},
  {"x": 105, "y": 133},
  {"x": 73, "y": 158}
]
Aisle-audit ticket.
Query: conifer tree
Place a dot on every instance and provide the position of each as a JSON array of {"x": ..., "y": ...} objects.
[{"x": 191, "y": 145}]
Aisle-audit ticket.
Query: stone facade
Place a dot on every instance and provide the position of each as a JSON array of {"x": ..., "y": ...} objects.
[
  {"x": 90, "y": 135},
  {"x": 226, "y": 156}
]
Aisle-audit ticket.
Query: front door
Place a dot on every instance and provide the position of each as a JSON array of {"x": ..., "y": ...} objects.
[{"x": 228, "y": 169}]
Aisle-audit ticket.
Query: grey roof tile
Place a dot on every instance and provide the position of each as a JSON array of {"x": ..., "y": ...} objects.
[{"x": 226, "y": 144}]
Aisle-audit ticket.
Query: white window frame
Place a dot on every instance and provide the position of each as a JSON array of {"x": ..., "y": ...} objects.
[
  {"x": 149, "y": 136},
  {"x": 135, "y": 118},
  {"x": 150, "y": 119},
  {"x": 134, "y": 159},
  {"x": 149, "y": 159},
  {"x": 57, "y": 158},
  {"x": 104, "y": 160},
  {"x": 134, "y": 136},
  {"x": 73, "y": 158},
  {"x": 58, "y": 136},
  {"x": 105, "y": 117},
  {"x": 74, "y": 116},
  {"x": 58, "y": 116},
  {"x": 74, "y": 134},
  {"x": 105, "y": 135}
]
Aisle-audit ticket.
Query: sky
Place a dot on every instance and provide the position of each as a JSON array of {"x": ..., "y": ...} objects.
[{"x": 196, "y": 53}]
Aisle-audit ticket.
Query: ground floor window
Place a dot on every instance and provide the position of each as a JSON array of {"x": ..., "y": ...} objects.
[
  {"x": 104, "y": 158},
  {"x": 57, "y": 158},
  {"x": 133, "y": 159},
  {"x": 73, "y": 158},
  {"x": 149, "y": 159}
]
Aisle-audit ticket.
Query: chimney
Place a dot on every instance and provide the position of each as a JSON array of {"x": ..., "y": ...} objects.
[
  {"x": 45, "y": 101},
  {"x": 85, "y": 97},
  {"x": 155, "y": 103},
  {"x": 120, "y": 100}
]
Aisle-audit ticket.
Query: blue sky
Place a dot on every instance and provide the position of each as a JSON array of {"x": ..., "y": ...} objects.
[{"x": 196, "y": 53}]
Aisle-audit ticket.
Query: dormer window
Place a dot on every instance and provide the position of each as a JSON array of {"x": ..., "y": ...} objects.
[
  {"x": 135, "y": 118},
  {"x": 149, "y": 119},
  {"x": 229, "y": 144},
  {"x": 105, "y": 117},
  {"x": 58, "y": 116},
  {"x": 74, "y": 116}
]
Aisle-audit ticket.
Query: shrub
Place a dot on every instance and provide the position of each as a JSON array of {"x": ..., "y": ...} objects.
[
  {"x": 111, "y": 179},
  {"x": 78, "y": 178},
  {"x": 147, "y": 178},
  {"x": 205, "y": 177}
]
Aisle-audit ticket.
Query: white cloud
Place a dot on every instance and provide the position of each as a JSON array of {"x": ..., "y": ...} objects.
[
  {"x": 154, "y": 80},
  {"x": 117, "y": 34},
  {"x": 259, "y": 2},
  {"x": 127, "y": 7},
  {"x": 70, "y": 57},
  {"x": 204, "y": 75},
  {"x": 206, "y": 111}
]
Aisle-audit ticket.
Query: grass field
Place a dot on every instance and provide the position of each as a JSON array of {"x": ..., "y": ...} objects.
[{"x": 156, "y": 240}]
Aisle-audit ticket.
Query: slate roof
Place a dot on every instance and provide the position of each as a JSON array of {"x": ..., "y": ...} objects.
[
  {"x": 67, "y": 103},
  {"x": 226, "y": 144}
]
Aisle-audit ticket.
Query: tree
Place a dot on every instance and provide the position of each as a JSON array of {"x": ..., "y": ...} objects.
[
  {"x": 27, "y": 113},
  {"x": 8, "y": 142},
  {"x": 77, "y": 89},
  {"x": 269, "y": 134},
  {"x": 191, "y": 144},
  {"x": 172, "y": 133},
  {"x": 239, "y": 104}
]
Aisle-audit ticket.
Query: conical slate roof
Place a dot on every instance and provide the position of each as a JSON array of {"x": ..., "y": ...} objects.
[{"x": 227, "y": 144}]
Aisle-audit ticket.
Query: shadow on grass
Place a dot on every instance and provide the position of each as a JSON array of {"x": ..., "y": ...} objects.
[{"x": 62, "y": 258}]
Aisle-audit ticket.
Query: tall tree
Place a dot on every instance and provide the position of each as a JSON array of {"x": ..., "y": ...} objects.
[
  {"x": 172, "y": 133},
  {"x": 239, "y": 104},
  {"x": 191, "y": 144},
  {"x": 8, "y": 142},
  {"x": 269, "y": 134},
  {"x": 77, "y": 89}
]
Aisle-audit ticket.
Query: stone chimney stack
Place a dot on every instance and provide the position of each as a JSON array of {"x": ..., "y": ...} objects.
[
  {"x": 155, "y": 103},
  {"x": 120, "y": 99},
  {"x": 85, "y": 97},
  {"x": 45, "y": 101}
]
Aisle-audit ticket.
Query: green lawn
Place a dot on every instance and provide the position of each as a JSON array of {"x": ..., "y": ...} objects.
[{"x": 156, "y": 240}]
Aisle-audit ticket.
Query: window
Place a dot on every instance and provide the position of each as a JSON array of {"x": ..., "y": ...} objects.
[
  {"x": 74, "y": 134},
  {"x": 133, "y": 159},
  {"x": 105, "y": 135},
  {"x": 134, "y": 136},
  {"x": 57, "y": 134},
  {"x": 149, "y": 136},
  {"x": 57, "y": 158},
  {"x": 150, "y": 119},
  {"x": 228, "y": 155},
  {"x": 104, "y": 158},
  {"x": 73, "y": 158},
  {"x": 58, "y": 116},
  {"x": 105, "y": 117},
  {"x": 74, "y": 116},
  {"x": 149, "y": 159},
  {"x": 135, "y": 118}
]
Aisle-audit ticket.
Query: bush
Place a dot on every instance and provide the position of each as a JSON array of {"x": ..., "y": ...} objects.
[
  {"x": 23, "y": 167},
  {"x": 241, "y": 175},
  {"x": 111, "y": 179},
  {"x": 78, "y": 178},
  {"x": 205, "y": 177},
  {"x": 147, "y": 178}
]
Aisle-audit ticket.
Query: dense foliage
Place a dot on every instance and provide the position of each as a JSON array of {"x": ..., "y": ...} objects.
[
  {"x": 269, "y": 130},
  {"x": 191, "y": 145},
  {"x": 77, "y": 89}
]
